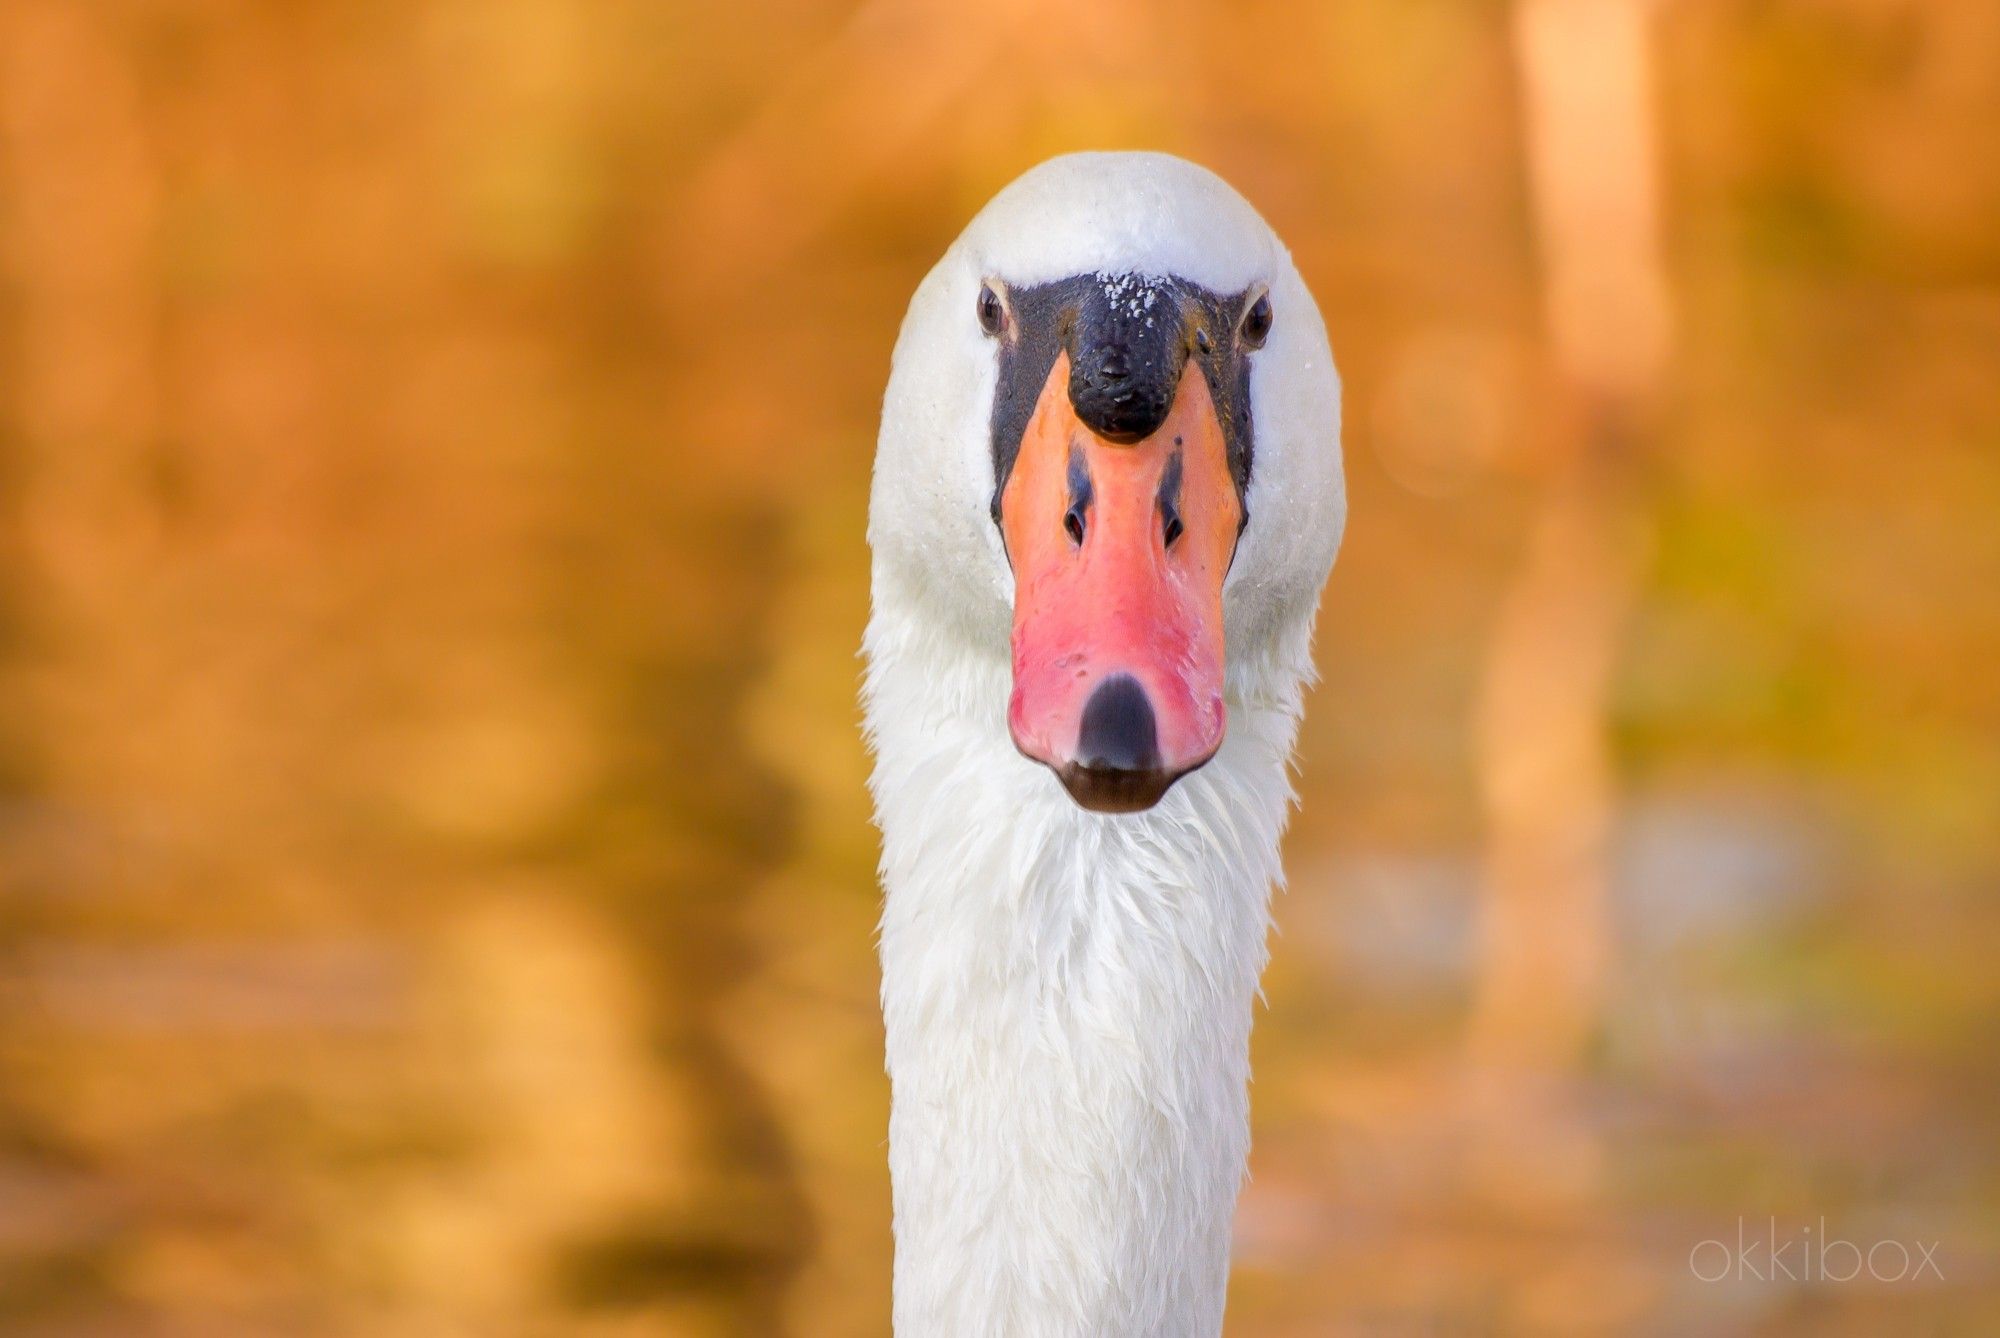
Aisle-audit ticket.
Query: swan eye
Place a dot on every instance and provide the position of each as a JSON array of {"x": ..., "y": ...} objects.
[
  {"x": 991, "y": 314},
  {"x": 1256, "y": 327}
]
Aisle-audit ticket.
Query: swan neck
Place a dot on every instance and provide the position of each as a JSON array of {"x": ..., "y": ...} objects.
[{"x": 1067, "y": 999}]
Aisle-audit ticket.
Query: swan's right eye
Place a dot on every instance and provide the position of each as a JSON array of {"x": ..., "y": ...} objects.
[
  {"x": 1256, "y": 326},
  {"x": 992, "y": 316}
]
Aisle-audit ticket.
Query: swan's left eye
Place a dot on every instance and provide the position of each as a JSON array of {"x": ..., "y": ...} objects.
[
  {"x": 1256, "y": 327},
  {"x": 991, "y": 314}
]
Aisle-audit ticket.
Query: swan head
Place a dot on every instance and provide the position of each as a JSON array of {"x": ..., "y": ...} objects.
[{"x": 1110, "y": 452}]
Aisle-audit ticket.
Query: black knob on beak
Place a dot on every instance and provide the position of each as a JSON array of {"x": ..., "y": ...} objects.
[
  {"x": 1125, "y": 356},
  {"x": 1119, "y": 396}
]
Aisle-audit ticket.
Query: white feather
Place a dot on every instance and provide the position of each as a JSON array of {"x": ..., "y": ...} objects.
[{"x": 1068, "y": 994}]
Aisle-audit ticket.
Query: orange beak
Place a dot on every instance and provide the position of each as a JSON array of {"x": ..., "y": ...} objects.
[{"x": 1119, "y": 553}]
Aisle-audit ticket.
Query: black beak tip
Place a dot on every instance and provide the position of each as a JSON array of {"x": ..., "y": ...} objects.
[
  {"x": 1118, "y": 731},
  {"x": 1107, "y": 790},
  {"x": 1118, "y": 767}
]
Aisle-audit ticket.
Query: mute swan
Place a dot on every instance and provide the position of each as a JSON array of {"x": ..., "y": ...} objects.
[{"x": 1107, "y": 492}]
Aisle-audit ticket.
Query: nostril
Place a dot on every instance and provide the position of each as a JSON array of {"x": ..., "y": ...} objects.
[
  {"x": 1079, "y": 495},
  {"x": 1118, "y": 731},
  {"x": 1170, "y": 497}
]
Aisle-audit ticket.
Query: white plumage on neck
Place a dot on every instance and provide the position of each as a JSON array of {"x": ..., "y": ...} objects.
[
  {"x": 1068, "y": 994},
  {"x": 1068, "y": 1000}
]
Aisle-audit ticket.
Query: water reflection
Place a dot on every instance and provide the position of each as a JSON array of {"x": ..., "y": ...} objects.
[{"x": 438, "y": 887}]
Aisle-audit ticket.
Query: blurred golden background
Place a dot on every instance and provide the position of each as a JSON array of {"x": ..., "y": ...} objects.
[{"x": 437, "y": 878}]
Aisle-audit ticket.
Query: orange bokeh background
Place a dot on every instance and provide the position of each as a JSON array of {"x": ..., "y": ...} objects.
[{"x": 436, "y": 881}]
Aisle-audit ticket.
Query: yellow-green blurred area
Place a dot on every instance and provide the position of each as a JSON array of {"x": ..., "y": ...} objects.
[{"x": 436, "y": 880}]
